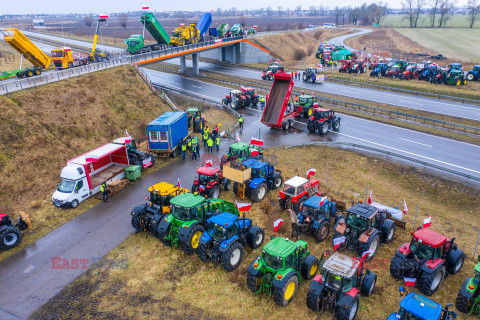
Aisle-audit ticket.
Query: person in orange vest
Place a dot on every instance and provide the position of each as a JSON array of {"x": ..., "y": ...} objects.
[
  {"x": 291, "y": 74},
  {"x": 296, "y": 74}
]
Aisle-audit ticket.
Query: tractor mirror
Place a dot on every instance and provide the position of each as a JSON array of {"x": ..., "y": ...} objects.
[
  {"x": 454, "y": 247},
  {"x": 478, "y": 258}
]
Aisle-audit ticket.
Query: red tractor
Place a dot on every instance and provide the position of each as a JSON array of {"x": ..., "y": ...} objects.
[
  {"x": 410, "y": 73},
  {"x": 345, "y": 66},
  {"x": 243, "y": 98},
  {"x": 428, "y": 259},
  {"x": 295, "y": 191},
  {"x": 323, "y": 120},
  {"x": 358, "y": 67},
  {"x": 10, "y": 235},
  {"x": 393, "y": 72},
  {"x": 271, "y": 71},
  {"x": 209, "y": 182}
]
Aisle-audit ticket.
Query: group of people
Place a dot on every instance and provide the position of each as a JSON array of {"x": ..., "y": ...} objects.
[{"x": 211, "y": 141}]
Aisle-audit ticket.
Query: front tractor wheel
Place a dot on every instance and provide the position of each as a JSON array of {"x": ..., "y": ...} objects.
[
  {"x": 259, "y": 193},
  {"x": 322, "y": 232},
  {"x": 463, "y": 303},
  {"x": 255, "y": 237},
  {"x": 202, "y": 252},
  {"x": 283, "y": 296},
  {"x": 371, "y": 245},
  {"x": 348, "y": 312},
  {"x": 10, "y": 237},
  {"x": 336, "y": 124},
  {"x": 254, "y": 283},
  {"x": 309, "y": 267},
  {"x": 430, "y": 282},
  {"x": 193, "y": 239},
  {"x": 214, "y": 191},
  {"x": 324, "y": 128},
  {"x": 232, "y": 257},
  {"x": 396, "y": 270}
]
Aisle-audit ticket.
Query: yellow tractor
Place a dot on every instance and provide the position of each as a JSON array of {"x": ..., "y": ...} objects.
[{"x": 185, "y": 35}]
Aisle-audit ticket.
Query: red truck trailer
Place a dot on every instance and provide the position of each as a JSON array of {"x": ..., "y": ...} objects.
[{"x": 279, "y": 111}]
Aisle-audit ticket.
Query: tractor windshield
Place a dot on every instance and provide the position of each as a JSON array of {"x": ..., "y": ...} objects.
[
  {"x": 302, "y": 101},
  {"x": 258, "y": 173},
  {"x": 181, "y": 213},
  {"x": 272, "y": 261},
  {"x": 205, "y": 179},
  {"x": 66, "y": 186},
  {"x": 290, "y": 190},
  {"x": 236, "y": 152},
  {"x": 421, "y": 250},
  {"x": 332, "y": 281},
  {"x": 357, "y": 222},
  {"x": 217, "y": 232},
  {"x": 405, "y": 315},
  {"x": 159, "y": 200}
]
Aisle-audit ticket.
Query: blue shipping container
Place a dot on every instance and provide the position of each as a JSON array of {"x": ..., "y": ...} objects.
[
  {"x": 166, "y": 131},
  {"x": 204, "y": 23}
]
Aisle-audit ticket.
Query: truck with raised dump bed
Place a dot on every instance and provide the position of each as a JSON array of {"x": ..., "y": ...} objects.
[
  {"x": 136, "y": 42},
  {"x": 204, "y": 23},
  {"x": 279, "y": 112},
  {"x": 39, "y": 59}
]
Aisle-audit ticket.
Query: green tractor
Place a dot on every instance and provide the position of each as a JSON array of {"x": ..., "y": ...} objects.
[
  {"x": 185, "y": 224},
  {"x": 280, "y": 269},
  {"x": 240, "y": 151},
  {"x": 468, "y": 299},
  {"x": 455, "y": 78},
  {"x": 195, "y": 120},
  {"x": 306, "y": 101}
]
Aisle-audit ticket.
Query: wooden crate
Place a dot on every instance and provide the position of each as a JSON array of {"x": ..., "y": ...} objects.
[{"x": 236, "y": 175}]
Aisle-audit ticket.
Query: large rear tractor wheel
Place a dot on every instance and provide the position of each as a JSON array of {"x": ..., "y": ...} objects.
[
  {"x": 202, "y": 252},
  {"x": 350, "y": 312},
  {"x": 322, "y": 232},
  {"x": 235, "y": 188},
  {"x": 259, "y": 193},
  {"x": 429, "y": 283},
  {"x": 193, "y": 239},
  {"x": 324, "y": 128},
  {"x": 470, "y": 77},
  {"x": 232, "y": 257},
  {"x": 311, "y": 126},
  {"x": 10, "y": 237},
  {"x": 255, "y": 237},
  {"x": 214, "y": 191},
  {"x": 371, "y": 245},
  {"x": 139, "y": 220},
  {"x": 283, "y": 296},
  {"x": 277, "y": 181},
  {"x": 396, "y": 270}
]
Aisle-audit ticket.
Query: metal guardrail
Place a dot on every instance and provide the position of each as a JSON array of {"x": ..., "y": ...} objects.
[
  {"x": 360, "y": 107},
  {"x": 392, "y": 154}
]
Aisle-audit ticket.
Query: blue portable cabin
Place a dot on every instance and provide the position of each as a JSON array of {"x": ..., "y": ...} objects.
[
  {"x": 204, "y": 23},
  {"x": 164, "y": 133}
]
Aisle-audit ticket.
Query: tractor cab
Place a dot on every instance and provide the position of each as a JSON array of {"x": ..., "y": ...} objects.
[
  {"x": 206, "y": 175},
  {"x": 248, "y": 91},
  {"x": 223, "y": 226},
  {"x": 317, "y": 208},
  {"x": 195, "y": 119},
  {"x": 281, "y": 253},
  {"x": 417, "y": 307},
  {"x": 311, "y": 71},
  {"x": 345, "y": 66},
  {"x": 260, "y": 169},
  {"x": 341, "y": 273},
  {"x": 238, "y": 152},
  {"x": 360, "y": 217},
  {"x": 427, "y": 244},
  {"x": 322, "y": 114},
  {"x": 161, "y": 194},
  {"x": 295, "y": 186},
  {"x": 188, "y": 207},
  {"x": 456, "y": 66},
  {"x": 304, "y": 104},
  {"x": 391, "y": 63},
  {"x": 235, "y": 96}
]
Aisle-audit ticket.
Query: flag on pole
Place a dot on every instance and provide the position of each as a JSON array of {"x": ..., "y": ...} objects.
[
  {"x": 366, "y": 253},
  {"x": 338, "y": 241},
  {"x": 405, "y": 209},
  {"x": 179, "y": 185},
  {"x": 409, "y": 282},
  {"x": 243, "y": 206},
  {"x": 145, "y": 7},
  {"x": 370, "y": 199},
  {"x": 277, "y": 224},
  {"x": 103, "y": 16},
  {"x": 128, "y": 138},
  {"x": 255, "y": 152},
  {"x": 427, "y": 222},
  {"x": 256, "y": 142},
  {"x": 238, "y": 138},
  {"x": 311, "y": 173},
  {"x": 208, "y": 163},
  {"x": 322, "y": 201}
]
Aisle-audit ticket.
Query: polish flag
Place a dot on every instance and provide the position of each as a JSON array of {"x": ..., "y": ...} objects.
[
  {"x": 201, "y": 188},
  {"x": 405, "y": 209},
  {"x": 366, "y": 253},
  {"x": 338, "y": 241},
  {"x": 145, "y": 8},
  {"x": 322, "y": 201},
  {"x": 311, "y": 173},
  {"x": 243, "y": 206},
  {"x": 238, "y": 138},
  {"x": 255, "y": 153},
  {"x": 256, "y": 142},
  {"x": 427, "y": 222},
  {"x": 128, "y": 138},
  {"x": 179, "y": 184},
  {"x": 370, "y": 199},
  {"x": 410, "y": 282},
  {"x": 147, "y": 198},
  {"x": 277, "y": 224},
  {"x": 208, "y": 163},
  {"x": 103, "y": 16},
  {"x": 91, "y": 158}
]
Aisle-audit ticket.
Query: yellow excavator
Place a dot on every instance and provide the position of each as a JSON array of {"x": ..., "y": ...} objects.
[
  {"x": 96, "y": 55},
  {"x": 185, "y": 35}
]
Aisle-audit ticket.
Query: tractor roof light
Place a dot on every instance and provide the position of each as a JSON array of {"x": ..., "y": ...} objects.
[
  {"x": 255, "y": 265},
  {"x": 471, "y": 286},
  {"x": 279, "y": 276}
]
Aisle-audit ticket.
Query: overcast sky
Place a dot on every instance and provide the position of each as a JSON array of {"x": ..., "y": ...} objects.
[{"x": 107, "y": 6}]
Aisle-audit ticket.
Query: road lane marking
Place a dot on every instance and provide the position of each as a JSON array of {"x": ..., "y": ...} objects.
[{"x": 423, "y": 144}]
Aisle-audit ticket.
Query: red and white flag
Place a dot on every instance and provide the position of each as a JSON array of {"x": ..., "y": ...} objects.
[
  {"x": 311, "y": 173},
  {"x": 366, "y": 253},
  {"x": 322, "y": 201},
  {"x": 208, "y": 163},
  {"x": 409, "y": 282},
  {"x": 255, "y": 153},
  {"x": 370, "y": 199},
  {"x": 238, "y": 138},
  {"x": 243, "y": 206},
  {"x": 179, "y": 184},
  {"x": 145, "y": 8},
  {"x": 427, "y": 222},
  {"x": 91, "y": 158},
  {"x": 277, "y": 224},
  {"x": 338, "y": 241},
  {"x": 201, "y": 188},
  {"x": 103, "y": 16},
  {"x": 256, "y": 142},
  {"x": 405, "y": 209}
]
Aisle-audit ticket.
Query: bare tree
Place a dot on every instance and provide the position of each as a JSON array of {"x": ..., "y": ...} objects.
[
  {"x": 280, "y": 10},
  {"x": 473, "y": 7},
  {"x": 243, "y": 21},
  {"x": 418, "y": 10},
  {"x": 445, "y": 9},
  {"x": 269, "y": 11},
  {"x": 338, "y": 13},
  {"x": 123, "y": 20},
  {"x": 433, "y": 11},
  {"x": 298, "y": 10},
  {"x": 380, "y": 12},
  {"x": 409, "y": 8},
  {"x": 88, "y": 20}
]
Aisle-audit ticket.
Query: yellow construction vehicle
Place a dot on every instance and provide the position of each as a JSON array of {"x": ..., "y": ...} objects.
[
  {"x": 29, "y": 51},
  {"x": 161, "y": 194},
  {"x": 66, "y": 58},
  {"x": 96, "y": 55},
  {"x": 185, "y": 35}
]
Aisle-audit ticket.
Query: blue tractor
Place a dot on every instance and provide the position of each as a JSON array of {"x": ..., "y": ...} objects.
[
  {"x": 314, "y": 218},
  {"x": 225, "y": 237},
  {"x": 379, "y": 70},
  {"x": 474, "y": 75},
  {"x": 417, "y": 307},
  {"x": 262, "y": 178}
]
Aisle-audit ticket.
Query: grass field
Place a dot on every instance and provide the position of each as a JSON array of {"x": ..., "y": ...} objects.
[
  {"x": 401, "y": 21},
  {"x": 10, "y": 58},
  {"x": 163, "y": 283},
  {"x": 454, "y": 43}
]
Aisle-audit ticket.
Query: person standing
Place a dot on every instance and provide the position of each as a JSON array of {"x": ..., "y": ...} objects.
[
  {"x": 184, "y": 150},
  {"x": 194, "y": 151},
  {"x": 240, "y": 122},
  {"x": 262, "y": 101},
  {"x": 104, "y": 191},
  {"x": 210, "y": 144},
  {"x": 217, "y": 142},
  {"x": 205, "y": 138}
]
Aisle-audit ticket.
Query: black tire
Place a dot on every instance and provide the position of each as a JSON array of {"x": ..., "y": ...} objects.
[
  {"x": 233, "y": 256},
  {"x": 322, "y": 232},
  {"x": 313, "y": 301},
  {"x": 286, "y": 126},
  {"x": 109, "y": 57},
  {"x": 388, "y": 231},
  {"x": 396, "y": 270},
  {"x": 277, "y": 181},
  {"x": 259, "y": 193},
  {"x": 235, "y": 188},
  {"x": 255, "y": 237},
  {"x": 470, "y": 77},
  {"x": 37, "y": 71},
  {"x": 368, "y": 284},
  {"x": 70, "y": 65},
  {"x": 214, "y": 191},
  {"x": 253, "y": 283},
  {"x": 282, "y": 203},
  {"x": 323, "y": 130},
  {"x": 190, "y": 245},
  {"x": 348, "y": 313},
  {"x": 311, "y": 126},
  {"x": 139, "y": 220},
  {"x": 309, "y": 267},
  {"x": 372, "y": 244},
  {"x": 312, "y": 79},
  {"x": 227, "y": 185},
  {"x": 202, "y": 252},
  {"x": 455, "y": 261},
  {"x": 462, "y": 303},
  {"x": 305, "y": 77},
  {"x": 279, "y": 293},
  {"x": 429, "y": 283},
  {"x": 10, "y": 237},
  {"x": 74, "y": 204},
  {"x": 194, "y": 188},
  {"x": 29, "y": 73},
  {"x": 336, "y": 124}
]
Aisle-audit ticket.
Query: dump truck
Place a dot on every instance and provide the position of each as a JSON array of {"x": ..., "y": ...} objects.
[
  {"x": 64, "y": 58},
  {"x": 204, "y": 24},
  {"x": 275, "y": 114},
  {"x": 136, "y": 42},
  {"x": 165, "y": 132},
  {"x": 29, "y": 51},
  {"x": 83, "y": 175},
  {"x": 97, "y": 55},
  {"x": 185, "y": 35}
]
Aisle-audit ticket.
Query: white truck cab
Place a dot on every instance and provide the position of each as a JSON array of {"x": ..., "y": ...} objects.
[{"x": 73, "y": 187}]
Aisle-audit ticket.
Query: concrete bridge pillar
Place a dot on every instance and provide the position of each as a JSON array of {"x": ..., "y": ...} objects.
[
  {"x": 195, "y": 64},
  {"x": 183, "y": 64}
]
